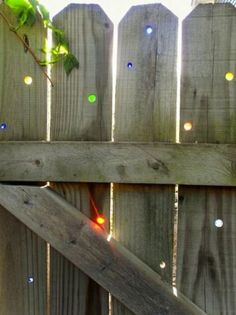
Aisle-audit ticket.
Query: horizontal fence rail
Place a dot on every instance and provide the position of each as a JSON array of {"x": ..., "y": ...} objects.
[{"x": 133, "y": 162}]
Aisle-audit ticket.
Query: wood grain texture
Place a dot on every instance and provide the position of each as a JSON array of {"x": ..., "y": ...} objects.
[
  {"x": 23, "y": 110},
  {"x": 206, "y": 254},
  {"x": 147, "y": 91},
  {"x": 110, "y": 264},
  {"x": 133, "y": 162},
  {"x": 209, "y": 52},
  {"x": 72, "y": 291},
  {"x": 145, "y": 111},
  {"x": 89, "y": 32},
  {"x": 23, "y": 255},
  {"x": 22, "y": 107}
]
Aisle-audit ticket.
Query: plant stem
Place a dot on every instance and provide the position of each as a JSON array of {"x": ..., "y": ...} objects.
[{"x": 12, "y": 29}]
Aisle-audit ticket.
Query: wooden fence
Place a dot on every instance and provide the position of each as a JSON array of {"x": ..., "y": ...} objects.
[{"x": 154, "y": 246}]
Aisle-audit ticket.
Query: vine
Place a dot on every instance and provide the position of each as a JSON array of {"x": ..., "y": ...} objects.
[{"x": 27, "y": 13}]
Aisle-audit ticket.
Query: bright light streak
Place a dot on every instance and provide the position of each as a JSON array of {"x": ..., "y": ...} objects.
[
  {"x": 114, "y": 74},
  {"x": 178, "y": 96},
  {"x": 109, "y": 237},
  {"x": 175, "y": 291},
  {"x": 49, "y": 86},
  {"x": 45, "y": 186}
]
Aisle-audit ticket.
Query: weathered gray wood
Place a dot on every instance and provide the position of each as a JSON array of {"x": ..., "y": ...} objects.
[
  {"x": 23, "y": 110},
  {"x": 89, "y": 32},
  {"x": 73, "y": 118},
  {"x": 145, "y": 111},
  {"x": 106, "y": 162},
  {"x": 209, "y": 52},
  {"x": 147, "y": 91},
  {"x": 206, "y": 254},
  {"x": 110, "y": 264},
  {"x": 72, "y": 291},
  {"x": 22, "y": 107},
  {"x": 22, "y": 256},
  {"x": 206, "y": 264}
]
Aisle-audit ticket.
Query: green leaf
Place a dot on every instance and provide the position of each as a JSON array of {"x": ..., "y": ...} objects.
[
  {"x": 46, "y": 62},
  {"x": 34, "y": 3},
  {"x": 17, "y": 3},
  {"x": 43, "y": 50},
  {"x": 22, "y": 17},
  {"x": 70, "y": 62},
  {"x": 31, "y": 18},
  {"x": 23, "y": 10},
  {"x": 44, "y": 12},
  {"x": 60, "y": 37},
  {"x": 27, "y": 11},
  {"x": 60, "y": 50},
  {"x": 27, "y": 17},
  {"x": 18, "y": 6}
]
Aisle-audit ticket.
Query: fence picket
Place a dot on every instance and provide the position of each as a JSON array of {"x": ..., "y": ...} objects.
[
  {"x": 206, "y": 253},
  {"x": 145, "y": 111},
  {"x": 75, "y": 118},
  {"x": 24, "y": 111},
  {"x": 23, "y": 274}
]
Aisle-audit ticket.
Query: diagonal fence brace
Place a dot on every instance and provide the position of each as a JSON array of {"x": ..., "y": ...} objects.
[{"x": 86, "y": 245}]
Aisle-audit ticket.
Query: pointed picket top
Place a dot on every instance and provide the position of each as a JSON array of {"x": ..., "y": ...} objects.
[
  {"x": 23, "y": 86},
  {"x": 82, "y": 101},
  {"x": 208, "y": 9},
  {"x": 146, "y": 75},
  {"x": 208, "y": 71}
]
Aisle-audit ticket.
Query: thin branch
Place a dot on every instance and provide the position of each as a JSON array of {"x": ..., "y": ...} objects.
[{"x": 12, "y": 29}]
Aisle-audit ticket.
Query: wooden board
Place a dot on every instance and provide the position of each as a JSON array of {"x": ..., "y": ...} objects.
[
  {"x": 206, "y": 254},
  {"x": 206, "y": 267},
  {"x": 89, "y": 32},
  {"x": 23, "y": 257},
  {"x": 209, "y": 52},
  {"x": 133, "y": 162},
  {"x": 145, "y": 111},
  {"x": 23, "y": 111},
  {"x": 107, "y": 262},
  {"x": 71, "y": 290}
]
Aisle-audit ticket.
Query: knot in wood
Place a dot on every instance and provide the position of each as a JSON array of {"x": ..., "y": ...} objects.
[
  {"x": 27, "y": 202},
  {"x": 73, "y": 241},
  {"x": 37, "y": 162},
  {"x": 154, "y": 164}
]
